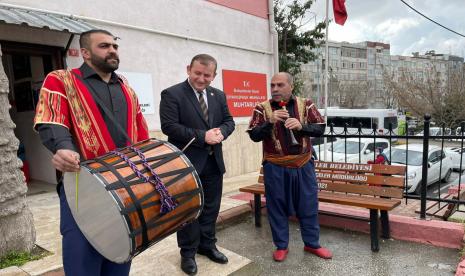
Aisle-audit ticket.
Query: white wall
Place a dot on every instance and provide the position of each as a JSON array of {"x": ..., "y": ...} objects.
[{"x": 203, "y": 25}]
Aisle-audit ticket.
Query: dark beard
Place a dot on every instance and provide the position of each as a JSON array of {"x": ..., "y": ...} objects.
[{"x": 103, "y": 64}]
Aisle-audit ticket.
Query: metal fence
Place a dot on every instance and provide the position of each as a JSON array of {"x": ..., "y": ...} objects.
[{"x": 344, "y": 137}]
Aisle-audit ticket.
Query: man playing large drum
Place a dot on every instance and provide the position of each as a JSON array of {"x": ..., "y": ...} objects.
[{"x": 70, "y": 119}]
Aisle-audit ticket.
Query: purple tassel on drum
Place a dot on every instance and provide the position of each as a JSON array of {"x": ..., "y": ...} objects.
[{"x": 166, "y": 200}]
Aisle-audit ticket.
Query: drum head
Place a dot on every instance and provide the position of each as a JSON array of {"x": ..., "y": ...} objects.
[{"x": 98, "y": 215}]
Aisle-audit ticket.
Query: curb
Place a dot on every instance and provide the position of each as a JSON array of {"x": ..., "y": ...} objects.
[
  {"x": 401, "y": 227},
  {"x": 230, "y": 215}
]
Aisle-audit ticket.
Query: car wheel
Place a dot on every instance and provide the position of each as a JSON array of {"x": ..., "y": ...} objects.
[
  {"x": 417, "y": 189},
  {"x": 446, "y": 178}
]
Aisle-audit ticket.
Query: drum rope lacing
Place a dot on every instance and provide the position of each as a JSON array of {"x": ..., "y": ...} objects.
[{"x": 166, "y": 200}]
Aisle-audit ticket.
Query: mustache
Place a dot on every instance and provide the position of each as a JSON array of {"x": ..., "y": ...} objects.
[{"x": 112, "y": 56}]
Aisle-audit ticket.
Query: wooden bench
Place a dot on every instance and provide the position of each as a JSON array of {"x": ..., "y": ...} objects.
[{"x": 375, "y": 187}]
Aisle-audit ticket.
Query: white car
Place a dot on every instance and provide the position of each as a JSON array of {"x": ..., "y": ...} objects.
[
  {"x": 352, "y": 148},
  {"x": 437, "y": 131},
  {"x": 456, "y": 153},
  {"x": 398, "y": 155}
]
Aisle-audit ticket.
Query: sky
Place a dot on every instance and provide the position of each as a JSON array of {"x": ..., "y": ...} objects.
[{"x": 390, "y": 21}]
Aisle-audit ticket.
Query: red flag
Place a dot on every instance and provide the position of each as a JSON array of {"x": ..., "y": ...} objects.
[{"x": 340, "y": 13}]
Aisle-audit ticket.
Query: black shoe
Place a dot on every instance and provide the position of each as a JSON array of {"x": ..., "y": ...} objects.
[
  {"x": 188, "y": 265},
  {"x": 214, "y": 255}
]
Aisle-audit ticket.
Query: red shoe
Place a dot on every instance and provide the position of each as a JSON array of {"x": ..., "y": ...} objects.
[
  {"x": 280, "y": 254},
  {"x": 321, "y": 252}
]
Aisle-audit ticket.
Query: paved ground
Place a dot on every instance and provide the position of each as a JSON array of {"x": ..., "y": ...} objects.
[
  {"x": 248, "y": 248},
  {"x": 352, "y": 254},
  {"x": 161, "y": 259}
]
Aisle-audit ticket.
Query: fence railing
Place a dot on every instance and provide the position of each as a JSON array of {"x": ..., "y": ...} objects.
[{"x": 359, "y": 147}]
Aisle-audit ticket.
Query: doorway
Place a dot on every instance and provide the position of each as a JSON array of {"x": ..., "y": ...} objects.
[{"x": 26, "y": 66}]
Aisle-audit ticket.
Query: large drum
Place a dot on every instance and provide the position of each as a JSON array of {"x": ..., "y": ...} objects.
[{"x": 119, "y": 211}]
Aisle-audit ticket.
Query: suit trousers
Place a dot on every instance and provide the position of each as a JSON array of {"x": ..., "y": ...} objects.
[
  {"x": 201, "y": 233},
  {"x": 292, "y": 191},
  {"x": 79, "y": 257}
]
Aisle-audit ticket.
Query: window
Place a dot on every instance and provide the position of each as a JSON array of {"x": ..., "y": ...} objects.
[
  {"x": 383, "y": 145},
  {"x": 371, "y": 60},
  {"x": 390, "y": 120},
  {"x": 351, "y": 146},
  {"x": 364, "y": 122},
  {"x": 434, "y": 157},
  {"x": 352, "y": 122},
  {"x": 373, "y": 146}
]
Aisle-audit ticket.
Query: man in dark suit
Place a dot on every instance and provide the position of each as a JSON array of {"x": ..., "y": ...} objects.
[{"x": 193, "y": 109}]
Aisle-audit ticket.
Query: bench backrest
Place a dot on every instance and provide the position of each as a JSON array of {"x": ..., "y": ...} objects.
[{"x": 362, "y": 179}]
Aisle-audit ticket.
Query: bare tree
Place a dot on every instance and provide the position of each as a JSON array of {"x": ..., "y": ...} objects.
[
  {"x": 388, "y": 97},
  {"x": 354, "y": 94},
  {"x": 16, "y": 222},
  {"x": 430, "y": 92},
  {"x": 348, "y": 94}
]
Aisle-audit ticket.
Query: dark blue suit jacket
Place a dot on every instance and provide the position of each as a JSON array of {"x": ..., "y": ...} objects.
[{"x": 181, "y": 120}]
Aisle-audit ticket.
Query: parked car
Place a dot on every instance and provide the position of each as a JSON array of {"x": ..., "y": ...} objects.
[
  {"x": 436, "y": 131},
  {"x": 352, "y": 148},
  {"x": 413, "y": 157},
  {"x": 456, "y": 153}
]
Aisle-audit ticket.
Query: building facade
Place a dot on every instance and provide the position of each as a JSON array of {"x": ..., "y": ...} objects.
[
  {"x": 357, "y": 72},
  {"x": 420, "y": 66},
  {"x": 158, "y": 39}
]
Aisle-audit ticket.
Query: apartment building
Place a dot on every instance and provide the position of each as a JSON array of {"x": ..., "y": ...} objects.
[{"x": 356, "y": 72}]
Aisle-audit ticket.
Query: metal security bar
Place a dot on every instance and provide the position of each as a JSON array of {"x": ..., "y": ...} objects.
[{"x": 426, "y": 150}]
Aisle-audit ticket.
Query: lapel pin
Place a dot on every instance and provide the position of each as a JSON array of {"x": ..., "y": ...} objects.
[{"x": 212, "y": 94}]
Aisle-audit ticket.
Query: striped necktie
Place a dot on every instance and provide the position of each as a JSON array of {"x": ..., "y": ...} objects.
[{"x": 203, "y": 105}]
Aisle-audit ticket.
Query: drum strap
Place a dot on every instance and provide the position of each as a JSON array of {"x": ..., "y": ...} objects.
[
  {"x": 167, "y": 202},
  {"x": 188, "y": 194},
  {"x": 140, "y": 213},
  {"x": 165, "y": 159},
  {"x": 171, "y": 157},
  {"x": 130, "y": 155},
  {"x": 180, "y": 174},
  {"x": 104, "y": 108}
]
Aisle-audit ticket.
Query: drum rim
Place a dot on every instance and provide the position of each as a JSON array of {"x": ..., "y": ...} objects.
[
  {"x": 102, "y": 181},
  {"x": 120, "y": 205}
]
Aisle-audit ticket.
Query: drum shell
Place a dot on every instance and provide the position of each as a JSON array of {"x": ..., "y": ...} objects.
[{"x": 106, "y": 211}]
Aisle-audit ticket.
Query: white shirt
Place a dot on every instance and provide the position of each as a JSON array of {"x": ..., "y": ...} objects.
[{"x": 204, "y": 94}]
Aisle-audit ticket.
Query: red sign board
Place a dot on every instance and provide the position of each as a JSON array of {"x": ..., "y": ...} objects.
[{"x": 244, "y": 90}]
